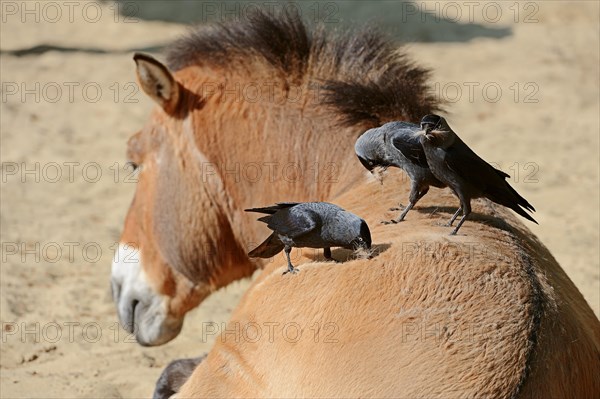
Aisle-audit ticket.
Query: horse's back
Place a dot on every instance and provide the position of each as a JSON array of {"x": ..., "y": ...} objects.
[{"x": 488, "y": 313}]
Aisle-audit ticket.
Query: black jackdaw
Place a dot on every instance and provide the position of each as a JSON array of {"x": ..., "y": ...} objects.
[
  {"x": 310, "y": 225},
  {"x": 469, "y": 176},
  {"x": 397, "y": 144}
]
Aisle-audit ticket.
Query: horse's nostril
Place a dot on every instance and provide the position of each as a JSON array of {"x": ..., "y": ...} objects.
[{"x": 131, "y": 327}]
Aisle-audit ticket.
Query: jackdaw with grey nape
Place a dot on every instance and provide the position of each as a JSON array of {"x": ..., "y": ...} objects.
[
  {"x": 397, "y": 144},
  {"x": 310, "y": 225},
  {"x": 469, "y": 176}
]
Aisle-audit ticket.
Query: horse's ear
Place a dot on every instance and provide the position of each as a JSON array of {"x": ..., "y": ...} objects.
[{"x": 157, "y": 82}]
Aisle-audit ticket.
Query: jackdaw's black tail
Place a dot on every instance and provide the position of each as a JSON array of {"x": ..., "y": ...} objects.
[
  {"x": 273, "y": 208},
  {"x": 509, "y": 197},
  {"x": 269, "y": 248}
]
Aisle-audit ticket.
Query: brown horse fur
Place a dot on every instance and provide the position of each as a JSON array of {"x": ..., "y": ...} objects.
[
  {"x": 486, "y": 314},
  {"x": 489, "y": 313}
]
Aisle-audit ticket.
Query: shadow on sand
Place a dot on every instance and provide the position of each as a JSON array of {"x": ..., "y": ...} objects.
[{"x": 407, "y": 21}]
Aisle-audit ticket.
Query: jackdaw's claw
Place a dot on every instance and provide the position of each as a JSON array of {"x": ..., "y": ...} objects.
[
  {"x": 389, "y": 221},
  {"x": 293, "y": 270}
]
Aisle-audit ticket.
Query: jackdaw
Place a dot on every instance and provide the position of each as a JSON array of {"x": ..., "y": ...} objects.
[
  {"x": 469, "y": 176},
  {"x": 310, "y": 225},
  {"x": 397, "y": 144}
]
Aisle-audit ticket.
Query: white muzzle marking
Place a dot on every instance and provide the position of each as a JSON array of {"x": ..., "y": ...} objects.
[{"x": 142, "y": 311}]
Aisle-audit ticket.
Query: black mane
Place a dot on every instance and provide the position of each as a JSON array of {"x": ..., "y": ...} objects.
[{"x": 362, "y": 74}]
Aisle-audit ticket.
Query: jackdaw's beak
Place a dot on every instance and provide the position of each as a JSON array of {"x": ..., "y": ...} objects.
[
  {"x": 430, "y": 122},
  {"x": 362, "y": 248},
  {"x": 359, "y": 243},
  {"x": 427, "y": 127},
  {"x": 428, "y": 131},
  {"x": 369, "y": 165}
]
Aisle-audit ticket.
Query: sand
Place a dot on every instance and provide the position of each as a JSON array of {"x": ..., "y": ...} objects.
[{"x": 60, "y": 220}]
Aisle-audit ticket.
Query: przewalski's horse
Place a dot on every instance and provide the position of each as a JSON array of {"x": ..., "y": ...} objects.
[
  {"x": 250, "y": 113},
  {"x": 488, "y": 313}
]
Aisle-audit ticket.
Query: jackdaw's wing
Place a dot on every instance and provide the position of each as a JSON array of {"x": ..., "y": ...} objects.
[
  {"x": 460, "y": 159},
  {"x": 411, "y": 149},
  {"x": 463, "y": 161},
  {"x": 292, "y": 224}
]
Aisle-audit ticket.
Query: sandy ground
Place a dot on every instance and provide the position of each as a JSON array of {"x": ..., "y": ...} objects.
[{"x": 60, "y": 219}]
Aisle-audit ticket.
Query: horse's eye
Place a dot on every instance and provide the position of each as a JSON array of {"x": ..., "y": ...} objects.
[{"x": 131, "y": 165}]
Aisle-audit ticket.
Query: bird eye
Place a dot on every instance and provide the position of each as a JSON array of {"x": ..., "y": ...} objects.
[
  {"x": 360, "y": 239},
  {"x": 370, "y": 163}
]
